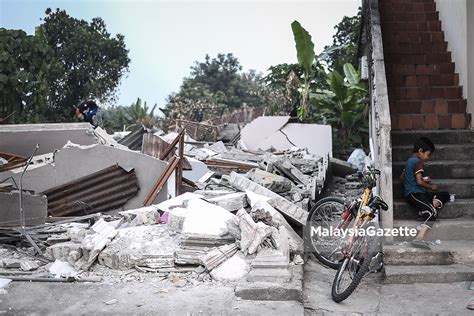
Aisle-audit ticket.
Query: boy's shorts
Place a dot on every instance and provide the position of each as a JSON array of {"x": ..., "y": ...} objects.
[{"x": 423, "y": 202}]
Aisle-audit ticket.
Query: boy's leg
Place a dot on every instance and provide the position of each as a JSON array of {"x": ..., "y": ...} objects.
[
  {"x": 440, "y": 198},
  {"x": 423, "y": 203}
]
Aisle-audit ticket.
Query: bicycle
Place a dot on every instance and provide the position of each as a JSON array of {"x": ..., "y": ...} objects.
[
  {"x": 360, "y": 251},
  {"x": 330, "y": 213}
]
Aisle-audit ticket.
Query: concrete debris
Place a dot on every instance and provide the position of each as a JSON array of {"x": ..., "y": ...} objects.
[
  {"x": 111, "y": 302},
  {"x": 28, "y": 265},
  {"x": 271, "y": 181},
  {"x": 206, "y": 219},
  {"x": 147, "y": 215},
  {"x": 217, "y": 147},
  {"x": 217, "y": 256},
  {"x": 4, "y": 282},
  {"x": 145, "y": 246},
  {"x": 61, "y": 269},
  {"x": 231, "y": 202},
  {"x": 178, "y": 201},
  {"x": 297, "y": 260},
  {"x": 176, "y": 219},
  {"x": 233, "y": 269},
  {"x": 255, "y": 235},
  {"x": 283, "y": 205},
  {"x": 342, "y": 168}
]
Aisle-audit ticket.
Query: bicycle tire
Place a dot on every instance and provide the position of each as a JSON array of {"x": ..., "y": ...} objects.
[
  {"x": 309, "y": 241},
  {"x": 363, "y": 269}
]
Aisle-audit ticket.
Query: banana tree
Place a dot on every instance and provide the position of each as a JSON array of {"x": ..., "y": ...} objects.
[
  {"x": 306, "y": 56},
  {"x": 343, "y": 106}
]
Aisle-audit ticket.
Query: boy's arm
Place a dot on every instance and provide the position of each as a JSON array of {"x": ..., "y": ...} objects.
[
  {"x": 422, "y": 183},
  {"x": 402, "y": 176}
]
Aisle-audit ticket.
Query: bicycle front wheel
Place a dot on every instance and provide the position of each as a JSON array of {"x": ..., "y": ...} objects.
[{"x": 326, "y": 214}]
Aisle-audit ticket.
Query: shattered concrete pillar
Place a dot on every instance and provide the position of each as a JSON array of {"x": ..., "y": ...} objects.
[{"x": 231, "y": 202}]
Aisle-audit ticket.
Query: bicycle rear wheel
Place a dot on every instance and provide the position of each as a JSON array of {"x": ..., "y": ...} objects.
[{"x": 325, "y": 214}]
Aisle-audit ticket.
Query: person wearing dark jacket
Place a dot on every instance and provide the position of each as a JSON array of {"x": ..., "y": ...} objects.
[{"x": 87, "y": 111}]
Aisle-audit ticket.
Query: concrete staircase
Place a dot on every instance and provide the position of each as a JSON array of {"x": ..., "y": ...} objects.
[{"x": 426, "y": 100}]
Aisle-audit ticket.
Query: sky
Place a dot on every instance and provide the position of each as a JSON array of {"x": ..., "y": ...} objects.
[{"x": 164, "y": 38}]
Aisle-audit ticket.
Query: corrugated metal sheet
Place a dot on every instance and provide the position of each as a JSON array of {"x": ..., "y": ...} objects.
[
  {"x": 105, "y": 190},
  {"x": 134, "y": 140}
]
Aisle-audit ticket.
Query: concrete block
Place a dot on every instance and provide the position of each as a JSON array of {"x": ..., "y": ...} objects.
[
  {"x": 34, "y": 206},
  {"x": 176, "y": 219},
  {"x": 62, "y": 251},
  {"x": 231, "y": 202},
  {"x": 232, "y": 269},
  {"x": 271, "y": 181},
  {"x": 342, "y": 168},
  {"x": 428, "y": 274}
]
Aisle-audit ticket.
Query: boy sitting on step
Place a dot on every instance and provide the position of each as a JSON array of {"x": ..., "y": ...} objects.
[{"x": 420, "y": 192}]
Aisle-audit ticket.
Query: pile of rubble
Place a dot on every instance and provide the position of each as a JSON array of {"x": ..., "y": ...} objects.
[{"x": 240, "y": 217}]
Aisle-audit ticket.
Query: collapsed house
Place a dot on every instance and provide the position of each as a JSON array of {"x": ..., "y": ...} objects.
[{"x": 232, "y": 211}]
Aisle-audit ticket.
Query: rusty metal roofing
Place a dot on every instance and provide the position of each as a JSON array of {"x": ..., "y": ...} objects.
[
  {"x": 102, "y": 191},
  {"x": 134, "y": 140}
]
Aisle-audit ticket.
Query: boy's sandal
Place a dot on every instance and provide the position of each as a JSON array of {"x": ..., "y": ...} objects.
[
  {"x": 470, "y": 305},
  {"x": 418, "y": 243}
]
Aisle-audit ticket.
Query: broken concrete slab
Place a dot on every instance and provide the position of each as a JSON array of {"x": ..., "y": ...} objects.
[
  {"x": 291, "y": 172},
  {"x": 281, "y": 204},
  {"x": 206, "y": 219},
  {"x": 176, "y": 219},
  {"x": 210, "y": 194},
  {"x": 27, "y": 265},
  {"x": 217, "y": 147},
  {"x": 231, "y": 202},
  {"x": 50, "y": 137},
  {"x": 241, "y": 156},
  {"x": 75, "y": 162},
  {"x": 145, "y": 246},
  {"x": 34, "y": 206},
  {"x": 217, "y": 256},
  {"x": 65, "y": 251},
  {"x": 271, "y": 181},
  {"x": 256, "y": 132}
]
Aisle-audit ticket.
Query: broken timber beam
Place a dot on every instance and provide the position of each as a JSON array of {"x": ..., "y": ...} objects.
[{"x": 161, "y": 181}]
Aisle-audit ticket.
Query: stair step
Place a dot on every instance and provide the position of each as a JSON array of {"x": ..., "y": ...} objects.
[
  {"x": 444, "y": 229},
  {"x": 431, "y": 58},
  {"x": 448, "y": 252},
  {"x": 441, "y": 169},
  {"x": 408, "y": 6},
  {"x": 432, "y": 92},
  {"x": 463, "y": 188},
  {"x": 430, "y": 121},
  {"x": 460, "y": 208},
  {"x": 410, "y": 16},
  {"x": 436, "y": 106},
  {"x": 414, "y": 37},
  {"x": 390, "y": 26},
  {"x": 400, "y": 138},
  {"x": 428, "y": 274},
  {"x": 442, "y": 152},
  {"x": 414, "y": 69}
]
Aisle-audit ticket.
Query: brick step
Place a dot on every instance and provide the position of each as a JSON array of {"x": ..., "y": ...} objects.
[
  {"x": 442, "y": 152},
  {"x": 388, "y": 27},
  {"x": 401, "y": 138},
  {"x": 415, "y": 48},
  {"x": 460, "y": 208},
  {"x": 415, "y": 38},
  {"x": 407, "y": 6},
  {"x": 442, "y": 169},
  {"x": 404, "y": 80},
  {"x": 413, "y": 69},
  {"x": 463, "y": 188},
  {"x": 437, "y": 106},
  {"x": 410, "y": 274},
  {"x": 409, "y": 16},
  {"x": 444, "y": 229},
  {"x": 419, "y": 59},
  {"x": 448, "y": 252},
  {"x": 433, "y": 92},
  {"x": 430, "y": 121}
]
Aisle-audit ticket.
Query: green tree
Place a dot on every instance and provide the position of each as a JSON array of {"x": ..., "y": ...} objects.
[
  {"x": 92, "y": 62},
  {"x": 216, "y": 86},
  {"x": 25, "y": 61},
  {"x": 345, "y": 42},
  {"x": 130, "y": 117}
]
